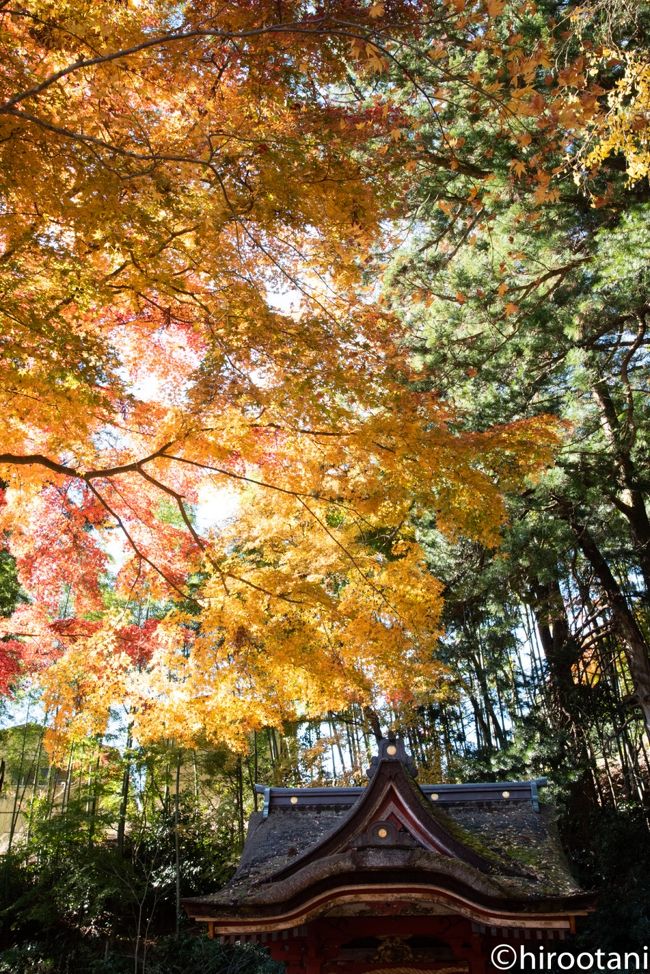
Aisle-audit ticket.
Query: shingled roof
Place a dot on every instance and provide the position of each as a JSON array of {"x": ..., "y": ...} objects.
[{"x": 490, "y": 851}]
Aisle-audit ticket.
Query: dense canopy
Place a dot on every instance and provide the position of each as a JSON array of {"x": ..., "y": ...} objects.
[{"x": 197, "y": 201}]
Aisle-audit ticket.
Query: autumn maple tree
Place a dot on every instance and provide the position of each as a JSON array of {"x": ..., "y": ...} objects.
[{"x": 197, "y": 200}]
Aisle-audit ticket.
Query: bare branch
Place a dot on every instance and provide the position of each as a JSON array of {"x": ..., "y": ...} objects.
[{"x": 139, "y": 553}]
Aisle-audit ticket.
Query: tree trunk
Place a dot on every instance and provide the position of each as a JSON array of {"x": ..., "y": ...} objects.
[
  {"x": 560, "y": 647},
  {"x": 240, "y": 802},
  {"x": 638, "y": 655},
  {"x": 124, "y": 796},
  {"x": 631, "y": 501},
  {"x": 372, "y": 719},
  {"x": 562, "y": 651},
  {"x": 499, "y": 732},
  {"x": 177, "y": 846},
  {"x": 18, "y": 796},
  {"x": 37, "y": 771}
]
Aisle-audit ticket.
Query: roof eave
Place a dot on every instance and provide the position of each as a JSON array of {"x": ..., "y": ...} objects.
[{"x": 539, "y": 913}]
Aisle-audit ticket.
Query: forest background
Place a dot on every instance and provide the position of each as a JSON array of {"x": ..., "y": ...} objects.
[{"x": 324, "y": 388}]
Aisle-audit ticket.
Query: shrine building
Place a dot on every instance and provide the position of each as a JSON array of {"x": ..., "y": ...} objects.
[{"x": 396, "y": 877}]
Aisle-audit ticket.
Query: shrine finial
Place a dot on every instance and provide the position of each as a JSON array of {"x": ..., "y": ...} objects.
[{"x": 392, "y": 748}]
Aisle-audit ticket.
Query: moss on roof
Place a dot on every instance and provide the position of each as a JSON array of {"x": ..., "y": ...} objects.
[{"x": 520, "y": 844}]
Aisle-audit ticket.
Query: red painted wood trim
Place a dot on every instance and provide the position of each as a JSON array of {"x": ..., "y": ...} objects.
[{"x": 465, "y": 906}]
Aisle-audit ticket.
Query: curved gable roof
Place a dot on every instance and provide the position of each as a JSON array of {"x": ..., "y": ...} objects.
[
  {"x": 488, "y": 852},
  {"x": 391, "y": 812}
]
